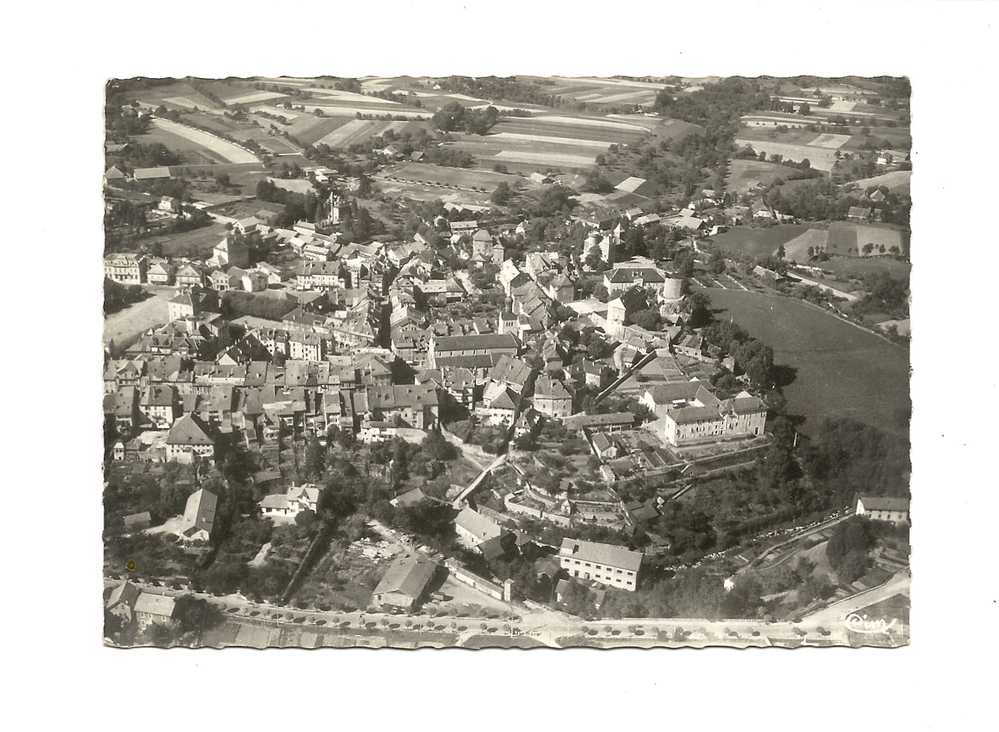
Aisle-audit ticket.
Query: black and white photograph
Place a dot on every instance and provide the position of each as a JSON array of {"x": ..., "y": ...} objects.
[{"x": 525, "y": 361}]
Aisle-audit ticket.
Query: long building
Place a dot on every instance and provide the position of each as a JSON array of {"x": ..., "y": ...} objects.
[
  {"x": 608, "y": 564},
  {"x": 470, "y": 345},
  {"x": 690, "y": 413}
]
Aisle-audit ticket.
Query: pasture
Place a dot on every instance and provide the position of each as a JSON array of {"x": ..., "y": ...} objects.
[
  {"x": 553, "y": 159},
  {"x": 847, "y": 268},
  {"x": 460, "y": 177},
  {"x": 756, "y": 242},
  {"x": 842, "y": 370}
]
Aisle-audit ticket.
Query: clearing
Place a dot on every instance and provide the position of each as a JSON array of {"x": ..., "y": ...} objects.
[{"x": 126, "y": 325}]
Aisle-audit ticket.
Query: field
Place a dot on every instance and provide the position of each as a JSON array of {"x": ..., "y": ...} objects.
[
  {"x": 756, "y": 242},
  {"x": 846, "y": 268},
  {"x": 745, "y": 175},
  {"x": 848, "y": 238},
  {"x": 897, "y": 181},
  {"x": 551, "y": 141},
  {"x": 197, "y": 243},
  {"x": 604, "y": 91},
  {"x": 179, "y": 95},
  {"x": 218, "y": 147},
  {"x": 796, "y": 250},
  {"x": 842, "y": 371},
  {"x": 820, "y": 158},
  {"x": 457, "y": 177}
]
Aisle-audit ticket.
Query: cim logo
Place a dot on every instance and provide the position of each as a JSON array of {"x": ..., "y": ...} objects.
[{"x": 863, "y": 624}]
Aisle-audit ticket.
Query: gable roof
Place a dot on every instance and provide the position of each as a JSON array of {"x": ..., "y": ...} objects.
[
  {"x": 189, "y": 430},
  {"x": 408, "y": 575},
  {"x": 606, "y": 554}
]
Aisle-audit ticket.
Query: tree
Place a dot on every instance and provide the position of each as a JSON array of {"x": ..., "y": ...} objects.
[
  {"x": 502, "y": 195},
  {"x": 683, "y": 263},
  {"x": 716, "y": 262},
  {"x": 648, "y": 319},
  {"x": 315, "y": 458}
]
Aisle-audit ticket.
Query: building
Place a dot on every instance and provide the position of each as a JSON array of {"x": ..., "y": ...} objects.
[
  {"x": 125, "y": 268},
  {"x": 470, "y": 345},
  {"x": 473, "y": 528},
  {"x": 608, "y": 564},
  {"x": 405, "y": 583},
  {"x": 622, "y": 279},
  {"x": 159, "y": 272},
  {"x": 153, "y": 609},
  {"x": 158, "y": 405},
  {"x": 410, "y": 405},
  {"x": 882, "y": 508},
  {"x": 551, "y": 398},
  {"x": 199, "y": 515},
  {"x": 288, "y": 505},
  {"x": 690, "y": 413},
  {"x": 231, "y": 252},
  {"x": 190, "y": 439},
  {"x": 188, "y": 275}
]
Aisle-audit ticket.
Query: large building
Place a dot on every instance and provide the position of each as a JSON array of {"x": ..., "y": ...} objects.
[
  {"x": 882, "y": 508},
  {"x": 690, "y": 413},
  {"x": 470, "y": 345},
  {"x": 608, "y": 564},
  {"x": 125, "y": 268}
]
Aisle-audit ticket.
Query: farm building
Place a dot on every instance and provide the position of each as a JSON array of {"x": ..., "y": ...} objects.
[
  {"x": 880, "y": 508},
  {"x": 156, "y": 173}
]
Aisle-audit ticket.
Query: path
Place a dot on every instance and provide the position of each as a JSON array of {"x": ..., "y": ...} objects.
[
  {"x": 460, "y": 498},
  {"x": 838, "y": 611}
]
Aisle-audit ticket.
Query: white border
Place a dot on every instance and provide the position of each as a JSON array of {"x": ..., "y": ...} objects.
[{"x": 58, "y": 58}]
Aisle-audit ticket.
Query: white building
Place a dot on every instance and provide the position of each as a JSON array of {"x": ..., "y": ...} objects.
[
  {"x": 607, "y": 564},
  {"x": 288, "y": 505},
  {"x": 881, "y": 508},
  {"x": 473, "y": 528}
]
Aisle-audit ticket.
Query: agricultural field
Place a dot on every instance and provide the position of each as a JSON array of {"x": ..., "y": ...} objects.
[
  {"x": 361, "y": 130},
  {"x": 897, "y": 181},
  {"x": 756, "y": 242},
  {"x": 820, "y": 158},
  {"x": 842, "y": 370},
  {"x": 179, "y": 95},
  {"x": 847, "y": 268},
  {"x": 218, "y": 147},
  {"x": 852, "y": 239},
  {"x": 746, "y": 175},
  {"x": 615, "y": 92},
  {"x": 468, "y": 178}
]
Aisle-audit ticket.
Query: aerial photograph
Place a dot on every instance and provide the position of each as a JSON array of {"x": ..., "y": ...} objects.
[{"x": 506, "y": 362}]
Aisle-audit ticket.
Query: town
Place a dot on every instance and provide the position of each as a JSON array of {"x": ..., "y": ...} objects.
[{"x": 506, "y": 362}]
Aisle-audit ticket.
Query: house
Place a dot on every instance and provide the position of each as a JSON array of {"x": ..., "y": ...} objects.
[
  {"x": 155, "y": 173},
  {"x": 473, "y": 528},
  {"x": 607, "y": 564},
  {"x": 121, "y": 405},
  {"x": 254, "y": 281},
  {"x": 189, "y": 275},
  {"x": 137, "y": 521},
  {"x": 190, "y": 439},
  {"x": 551, "y": 398},
  {"x": 883, "y": 508},
  {"x": 125, "y": 268},
  {"x": 231, "y": 252},
  {"x": 513, "y": 372},
  {"x": 159, "y": 272},
  {"x": 199, "y": 516},
  {"x": 192, "y": 303},
  {"x": 410, "y": 405},
  {"x": 622, "y": 279},
  {"x": 859, "y": 214},
  {"x": 114, "y": 175},
  {"x": 152, "y": 609},
  {"x": 404, "y": 583},
  {"x": 499, "y": 405},
  {"x": 158, "y": 405},
  {"x": 767, "y": 275},
  {"x": 121, "y": 601},
  {"x": 298, "y": 498}
]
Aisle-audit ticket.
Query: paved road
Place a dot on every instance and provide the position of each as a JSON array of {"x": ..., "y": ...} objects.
[{"x": 838, "y": 611}]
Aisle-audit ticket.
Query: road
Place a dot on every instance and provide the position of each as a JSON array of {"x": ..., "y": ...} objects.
[
  {"x": 837, "y": 612},
  {"x": 550, "y": 627}
]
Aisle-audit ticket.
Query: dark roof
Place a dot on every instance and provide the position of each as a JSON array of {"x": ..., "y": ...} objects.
[
  {"x": 474, "y": 342},
  {"x": 408, "y": 575},
  {"x": 885, "y": 503}
]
